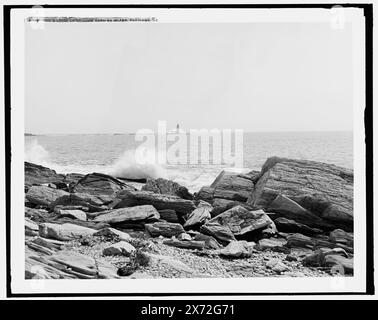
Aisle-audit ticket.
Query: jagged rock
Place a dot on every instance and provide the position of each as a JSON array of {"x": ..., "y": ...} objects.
[
  {"x": 227, "y": 185},
  {"x": 64, "y": 232},
  {"x": 43, "y": 195},
  {"x": 222, "y": 205},
  {"x": 159, "y": 201},
  {"x": 277, "y": 265},
  {"x": 38, "y": 175},
  {"x": 101, "y": 186},
  {"x": 203, "y": 204},
  {"x": 111, "y": 232},
  {"x": 339, "y": 236},
  {"x": 220, "y": 232},
  {"x": 242, "y": 221},
  {"x": 132, "y": 214},
  {"x": 237, "y": 249},
  {"x": 271, "y": 244},
  {"x": 119, "y": 248},
  {"x": 186, "y": 244},
  {"x": 91, "y": 202},
  {"x": 31, "y": 228},
  {"x": 210, "y": 242},
  {"x": 299, "y": 240},
  {"x": 164, "y": 186},
  {"x": 75, "y": 214},
  {"x": 198, "y": 217},
  {"x": 168, "y": 215},
  {"x": 287, "y": 225},
  {"x": 323, "y": 189},
  {"x": 165, "y": 229}
]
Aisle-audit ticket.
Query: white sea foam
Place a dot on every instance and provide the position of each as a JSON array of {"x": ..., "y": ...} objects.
[
  {"x": 36, "y": 153},
  {"x": 129, "y": 166}
]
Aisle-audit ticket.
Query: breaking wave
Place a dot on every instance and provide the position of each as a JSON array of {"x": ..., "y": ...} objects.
[{"x": 131, "y": 166}]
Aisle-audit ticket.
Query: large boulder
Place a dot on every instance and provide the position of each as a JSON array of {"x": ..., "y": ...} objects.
[
  {"x": 242, "y": 221},
  {"x": 102, "y": 186},
  {"x": 132, "y": 214},
  {"x": 229, "y": 186},
  {"x": 43, "y": 195},
  {"x": 323, "y": 189},
  {"x": 165, "y": 229},
  {"x": 64, "y": 232},
  {"x": 164, "y": 186},
  {"x": 38, "y": 175},
  {"x": 128, "y": 198}
]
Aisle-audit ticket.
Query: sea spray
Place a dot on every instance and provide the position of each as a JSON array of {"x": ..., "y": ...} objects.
[
  {"x": 132, "y": 166},
  {"x": 36, "y": 153}
]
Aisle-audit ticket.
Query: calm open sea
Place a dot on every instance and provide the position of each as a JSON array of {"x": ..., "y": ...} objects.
[{"x": 114, "y": 154}]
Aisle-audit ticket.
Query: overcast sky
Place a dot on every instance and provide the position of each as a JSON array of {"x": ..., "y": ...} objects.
[{"x": 121, "y": 77}]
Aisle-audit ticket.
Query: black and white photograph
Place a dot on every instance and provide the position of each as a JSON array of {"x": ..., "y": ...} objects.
[{"x": 189, "y": 150}]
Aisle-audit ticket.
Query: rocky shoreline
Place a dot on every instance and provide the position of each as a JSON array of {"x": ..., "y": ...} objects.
[{"x": 294, "y": 218}]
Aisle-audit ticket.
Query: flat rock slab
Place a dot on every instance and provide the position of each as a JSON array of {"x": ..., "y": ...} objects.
[
  {"x": 165, "y": 229},
  {"x": 300, "y": 241},
  {"x": 64, "y": 232},
  {"x": 291, "y": 226},
  {"x": 241, "y": 221},
  {"x": 323, "y": 189},
  {"x": 75, "y": 214},
  {"x": 159, "y": 201},
  {"x": 129, "y": 214},
  {"x": 185, "y": 244},
  {"x": 43, "y": 195},
  {"x": 168, "y": 215},
  {"x": 93, "y": 203},
  {"x": 111, "y": 232},
  {"x": 102, "y": 186},
  {"x": 66, "y": 264},
  {"x": 164, "y": 186},
  {"x": 120, "y": 248},
  {"x": 271, "y": 244}
]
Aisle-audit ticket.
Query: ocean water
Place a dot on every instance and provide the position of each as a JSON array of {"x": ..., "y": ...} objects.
[{"x": 114, "y": 154}]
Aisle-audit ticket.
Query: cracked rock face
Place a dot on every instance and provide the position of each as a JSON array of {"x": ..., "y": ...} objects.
[{"x": 324, "y": 190}]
